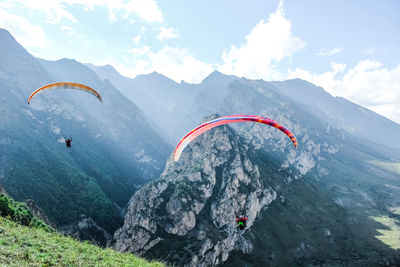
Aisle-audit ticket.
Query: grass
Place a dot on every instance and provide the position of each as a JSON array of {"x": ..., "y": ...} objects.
[
  {"x": 19, "y": 213},
  {"x": 393, "y": 167},
  {"x": 31, "y": 246},
  {"x": 389, "y": 237},
  {"x": 395, "y": 210},
  {"x": 27, "y": 241}
]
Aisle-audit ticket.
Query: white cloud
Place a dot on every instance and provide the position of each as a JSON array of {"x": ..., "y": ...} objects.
[
  {"x": 139, "y": 51},
  {"x": 368, "y": 84},
  {"x": 5, "y": 4},
  {"x": 368, "y": 51},
  {"x": 267, "y": 44},
  {"x": 69, "y": 30},
  {"x": 372, "y": 51},
  {"x": 178, "y": 64},
  {"x": 27, "y": 34},
  {"x": 326, "y": 79},
  {"x": 138, "y": 37},
  {"x": 145, "y": 9},
  {"x": 66, "y": 28},
  {"x": 72, "y": 32},
  {"x": 334, "y": 51},
  {"x": 175, "y": 63},
  {"x": 140, "y": 67},
  {"x": 391, "y": 111},
  {"x": 167, "y": 33},
  {"x": 56, "y": 10}
]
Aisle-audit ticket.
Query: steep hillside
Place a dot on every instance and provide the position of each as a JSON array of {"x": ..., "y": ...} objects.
[
  {"x": 25, "y": 240},
  {"x": 114, "y": 150}
]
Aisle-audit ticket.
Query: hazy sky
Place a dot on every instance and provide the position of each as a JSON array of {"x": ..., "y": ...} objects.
[{"x": 350, "y": 48}]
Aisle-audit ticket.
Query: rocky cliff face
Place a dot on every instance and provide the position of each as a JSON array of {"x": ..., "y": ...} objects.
[
  {"x": 305, "y": 207},
  {"x": 195, "y": 201},
  {"x": 38, "y": 212}
]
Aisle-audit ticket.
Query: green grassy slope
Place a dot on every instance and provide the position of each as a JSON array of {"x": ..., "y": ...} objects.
[
  {"x": 31, "y": 246},
  {"x": 26, "y": 241}
]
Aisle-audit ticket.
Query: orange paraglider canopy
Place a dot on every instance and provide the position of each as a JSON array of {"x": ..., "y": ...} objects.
[{"x": 67, "y": 85}]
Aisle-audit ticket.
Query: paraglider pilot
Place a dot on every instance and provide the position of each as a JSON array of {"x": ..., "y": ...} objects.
[
  {"x": 68, "y": 142},
  {"x": 241, "y": 221}
]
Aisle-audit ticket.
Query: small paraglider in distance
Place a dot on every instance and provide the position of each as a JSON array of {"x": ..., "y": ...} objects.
[
  {"x": 66, "y": 85},
  {"x": 68, "y": 142},
  {"x": 225, "y": 120},
  {"x": 241, "y": 221}
]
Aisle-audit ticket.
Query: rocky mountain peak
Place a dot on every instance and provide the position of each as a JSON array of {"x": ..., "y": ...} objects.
[
  {"x": 6, "y": 36},
  {"x": 38, "y": 212},
  {"x": 155, "y": 77},
  {"x": 217, "y": 76},
  {"x": 107, "y": 70},
  {"x": 210, "y": 117},
  {"x": 195, "y": 201}
]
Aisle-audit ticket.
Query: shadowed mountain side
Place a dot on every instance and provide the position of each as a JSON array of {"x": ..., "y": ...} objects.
[
  {"x": 122, "y": 124},
  {"x": 114, "y": 150},
  {"x": 339, "y": 161}
]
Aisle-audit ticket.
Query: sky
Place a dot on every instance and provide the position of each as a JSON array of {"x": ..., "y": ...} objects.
[{"x": 350, "y": 48}]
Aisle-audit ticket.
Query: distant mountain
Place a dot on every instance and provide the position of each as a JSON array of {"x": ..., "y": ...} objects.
[
  {"x": 114, "y": 149},
  {"x": 342, "y": 113},
  {"x": 171, "y": 107},
  {"x": 183, "y": 105}
]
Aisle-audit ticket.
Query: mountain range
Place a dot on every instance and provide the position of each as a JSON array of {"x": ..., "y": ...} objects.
[{"x": 335, "y": 200}]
